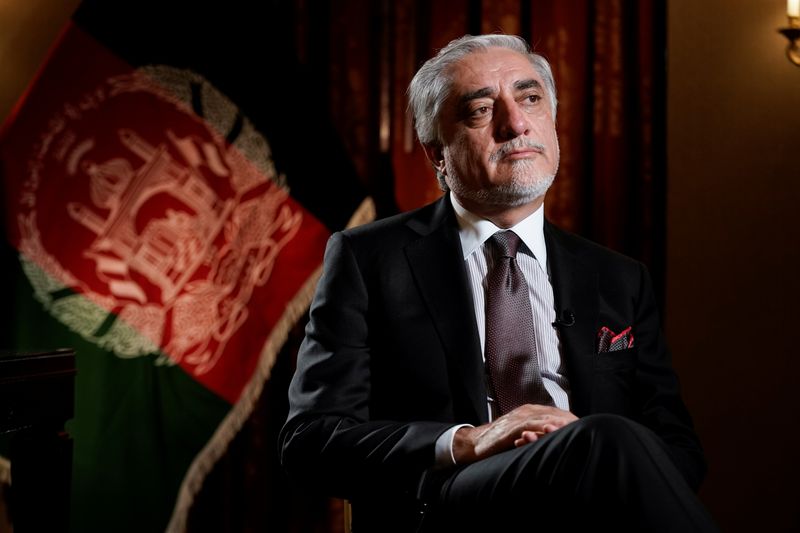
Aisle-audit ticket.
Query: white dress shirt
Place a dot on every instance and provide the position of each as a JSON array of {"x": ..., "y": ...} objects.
[{"x": 474, "y": 231}]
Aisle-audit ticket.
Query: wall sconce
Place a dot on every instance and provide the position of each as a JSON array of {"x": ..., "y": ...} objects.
[{"x": 793, "y": 31}]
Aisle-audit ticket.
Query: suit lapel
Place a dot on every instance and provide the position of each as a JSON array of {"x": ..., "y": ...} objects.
[
  {"x": 575, "y": 289},
  {"x": 437, "y": 263}
]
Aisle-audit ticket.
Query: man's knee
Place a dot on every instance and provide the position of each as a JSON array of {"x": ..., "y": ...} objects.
[
  {"x": 593, "y": 447},
  {"x": 593, "y": 431},
  {"x": 607, "y": 427},
  {"x": 611, "y": 438}
]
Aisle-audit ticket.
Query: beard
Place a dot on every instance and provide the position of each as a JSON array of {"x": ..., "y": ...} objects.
[{"x": 525, "y": 185}]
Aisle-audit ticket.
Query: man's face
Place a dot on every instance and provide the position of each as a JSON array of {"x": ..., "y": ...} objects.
[{"x": 499, "y": 145}]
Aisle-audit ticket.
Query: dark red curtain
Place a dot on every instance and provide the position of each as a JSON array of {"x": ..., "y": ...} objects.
[{"x": 609, "y": 65}]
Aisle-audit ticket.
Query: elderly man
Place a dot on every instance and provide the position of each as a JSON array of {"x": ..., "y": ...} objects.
[{"x": 469, "y": 366}]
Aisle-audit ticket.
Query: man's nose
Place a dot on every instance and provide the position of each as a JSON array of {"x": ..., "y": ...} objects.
[{"x": 511, "y": 120}]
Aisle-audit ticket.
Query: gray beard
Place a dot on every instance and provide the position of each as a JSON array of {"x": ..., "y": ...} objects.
[{"x": 512, "y": 194}]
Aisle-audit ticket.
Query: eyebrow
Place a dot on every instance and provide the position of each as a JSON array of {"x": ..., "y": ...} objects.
[
  {"x": 521, "y": 85},
  {"x": 474, "y": 95}
]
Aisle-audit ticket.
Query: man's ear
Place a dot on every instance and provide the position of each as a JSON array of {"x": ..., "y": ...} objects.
[{"x": 435, "y": 154}]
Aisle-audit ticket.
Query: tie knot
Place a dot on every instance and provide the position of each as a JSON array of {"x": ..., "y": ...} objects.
[{"x": 506, "y": 242}]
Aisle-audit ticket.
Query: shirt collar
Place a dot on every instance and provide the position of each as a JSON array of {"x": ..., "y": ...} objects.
[{"x": 474, "y": 230}]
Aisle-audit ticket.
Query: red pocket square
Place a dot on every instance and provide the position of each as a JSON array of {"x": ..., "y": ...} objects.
[{"x": 608, "y": 341}]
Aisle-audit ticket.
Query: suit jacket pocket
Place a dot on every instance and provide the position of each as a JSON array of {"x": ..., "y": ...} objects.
[
  {"x": 614, "y": 361},
  {"x": 613, "y": 389}
]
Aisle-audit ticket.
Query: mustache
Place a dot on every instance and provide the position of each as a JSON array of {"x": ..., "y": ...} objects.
[{"x": 512, "y": 145}]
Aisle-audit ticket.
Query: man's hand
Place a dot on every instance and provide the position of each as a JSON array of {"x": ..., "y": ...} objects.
[{"x": 524, "y": 424}]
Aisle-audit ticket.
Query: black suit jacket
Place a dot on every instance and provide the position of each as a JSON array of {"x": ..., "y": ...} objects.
[{"x": 391, "y": 357}]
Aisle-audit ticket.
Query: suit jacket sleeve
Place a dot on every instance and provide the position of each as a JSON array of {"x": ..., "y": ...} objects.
[
  {"x": 330, "y": 439},
  {"x": 662, "y": 408}
]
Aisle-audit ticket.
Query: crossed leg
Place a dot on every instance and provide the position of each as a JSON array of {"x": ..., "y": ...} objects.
[{"x": 600, "y": 473}]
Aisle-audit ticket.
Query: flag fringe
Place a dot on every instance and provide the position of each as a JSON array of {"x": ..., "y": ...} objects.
[
  {"x": 5, "y": 471},
  {"x": 235, "y": 419}
]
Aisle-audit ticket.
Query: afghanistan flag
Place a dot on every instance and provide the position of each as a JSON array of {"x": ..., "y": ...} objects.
[{"x": 170, "y": 179}]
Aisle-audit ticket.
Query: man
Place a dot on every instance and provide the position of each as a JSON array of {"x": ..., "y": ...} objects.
[{"x": 456, "y": 376}]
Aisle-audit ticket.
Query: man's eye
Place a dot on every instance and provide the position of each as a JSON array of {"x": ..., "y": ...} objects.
[
  {"x": 481, "y": 111},
  {"x": 533, "y": 98}
]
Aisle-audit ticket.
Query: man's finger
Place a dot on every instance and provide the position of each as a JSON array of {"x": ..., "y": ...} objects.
[{"x": 526, "y": 437}]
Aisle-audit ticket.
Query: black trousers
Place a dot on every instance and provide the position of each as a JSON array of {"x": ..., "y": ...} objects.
[{"x": 600, "y": 473}]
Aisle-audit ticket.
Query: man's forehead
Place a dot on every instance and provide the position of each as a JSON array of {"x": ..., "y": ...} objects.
[{"x": 489, "y": 70}]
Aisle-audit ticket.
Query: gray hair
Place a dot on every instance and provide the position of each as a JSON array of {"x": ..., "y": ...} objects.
[{"x": 431, "y": 84}]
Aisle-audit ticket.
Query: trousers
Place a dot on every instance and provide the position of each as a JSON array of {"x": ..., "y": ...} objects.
[{"x": 600, "y": 473}]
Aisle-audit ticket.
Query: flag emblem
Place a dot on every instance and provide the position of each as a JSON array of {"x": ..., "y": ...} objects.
[{"x": 171, "y": 227}]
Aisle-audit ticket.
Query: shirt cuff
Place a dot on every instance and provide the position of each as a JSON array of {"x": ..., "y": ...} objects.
[{"x": 444, "y": 447}]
